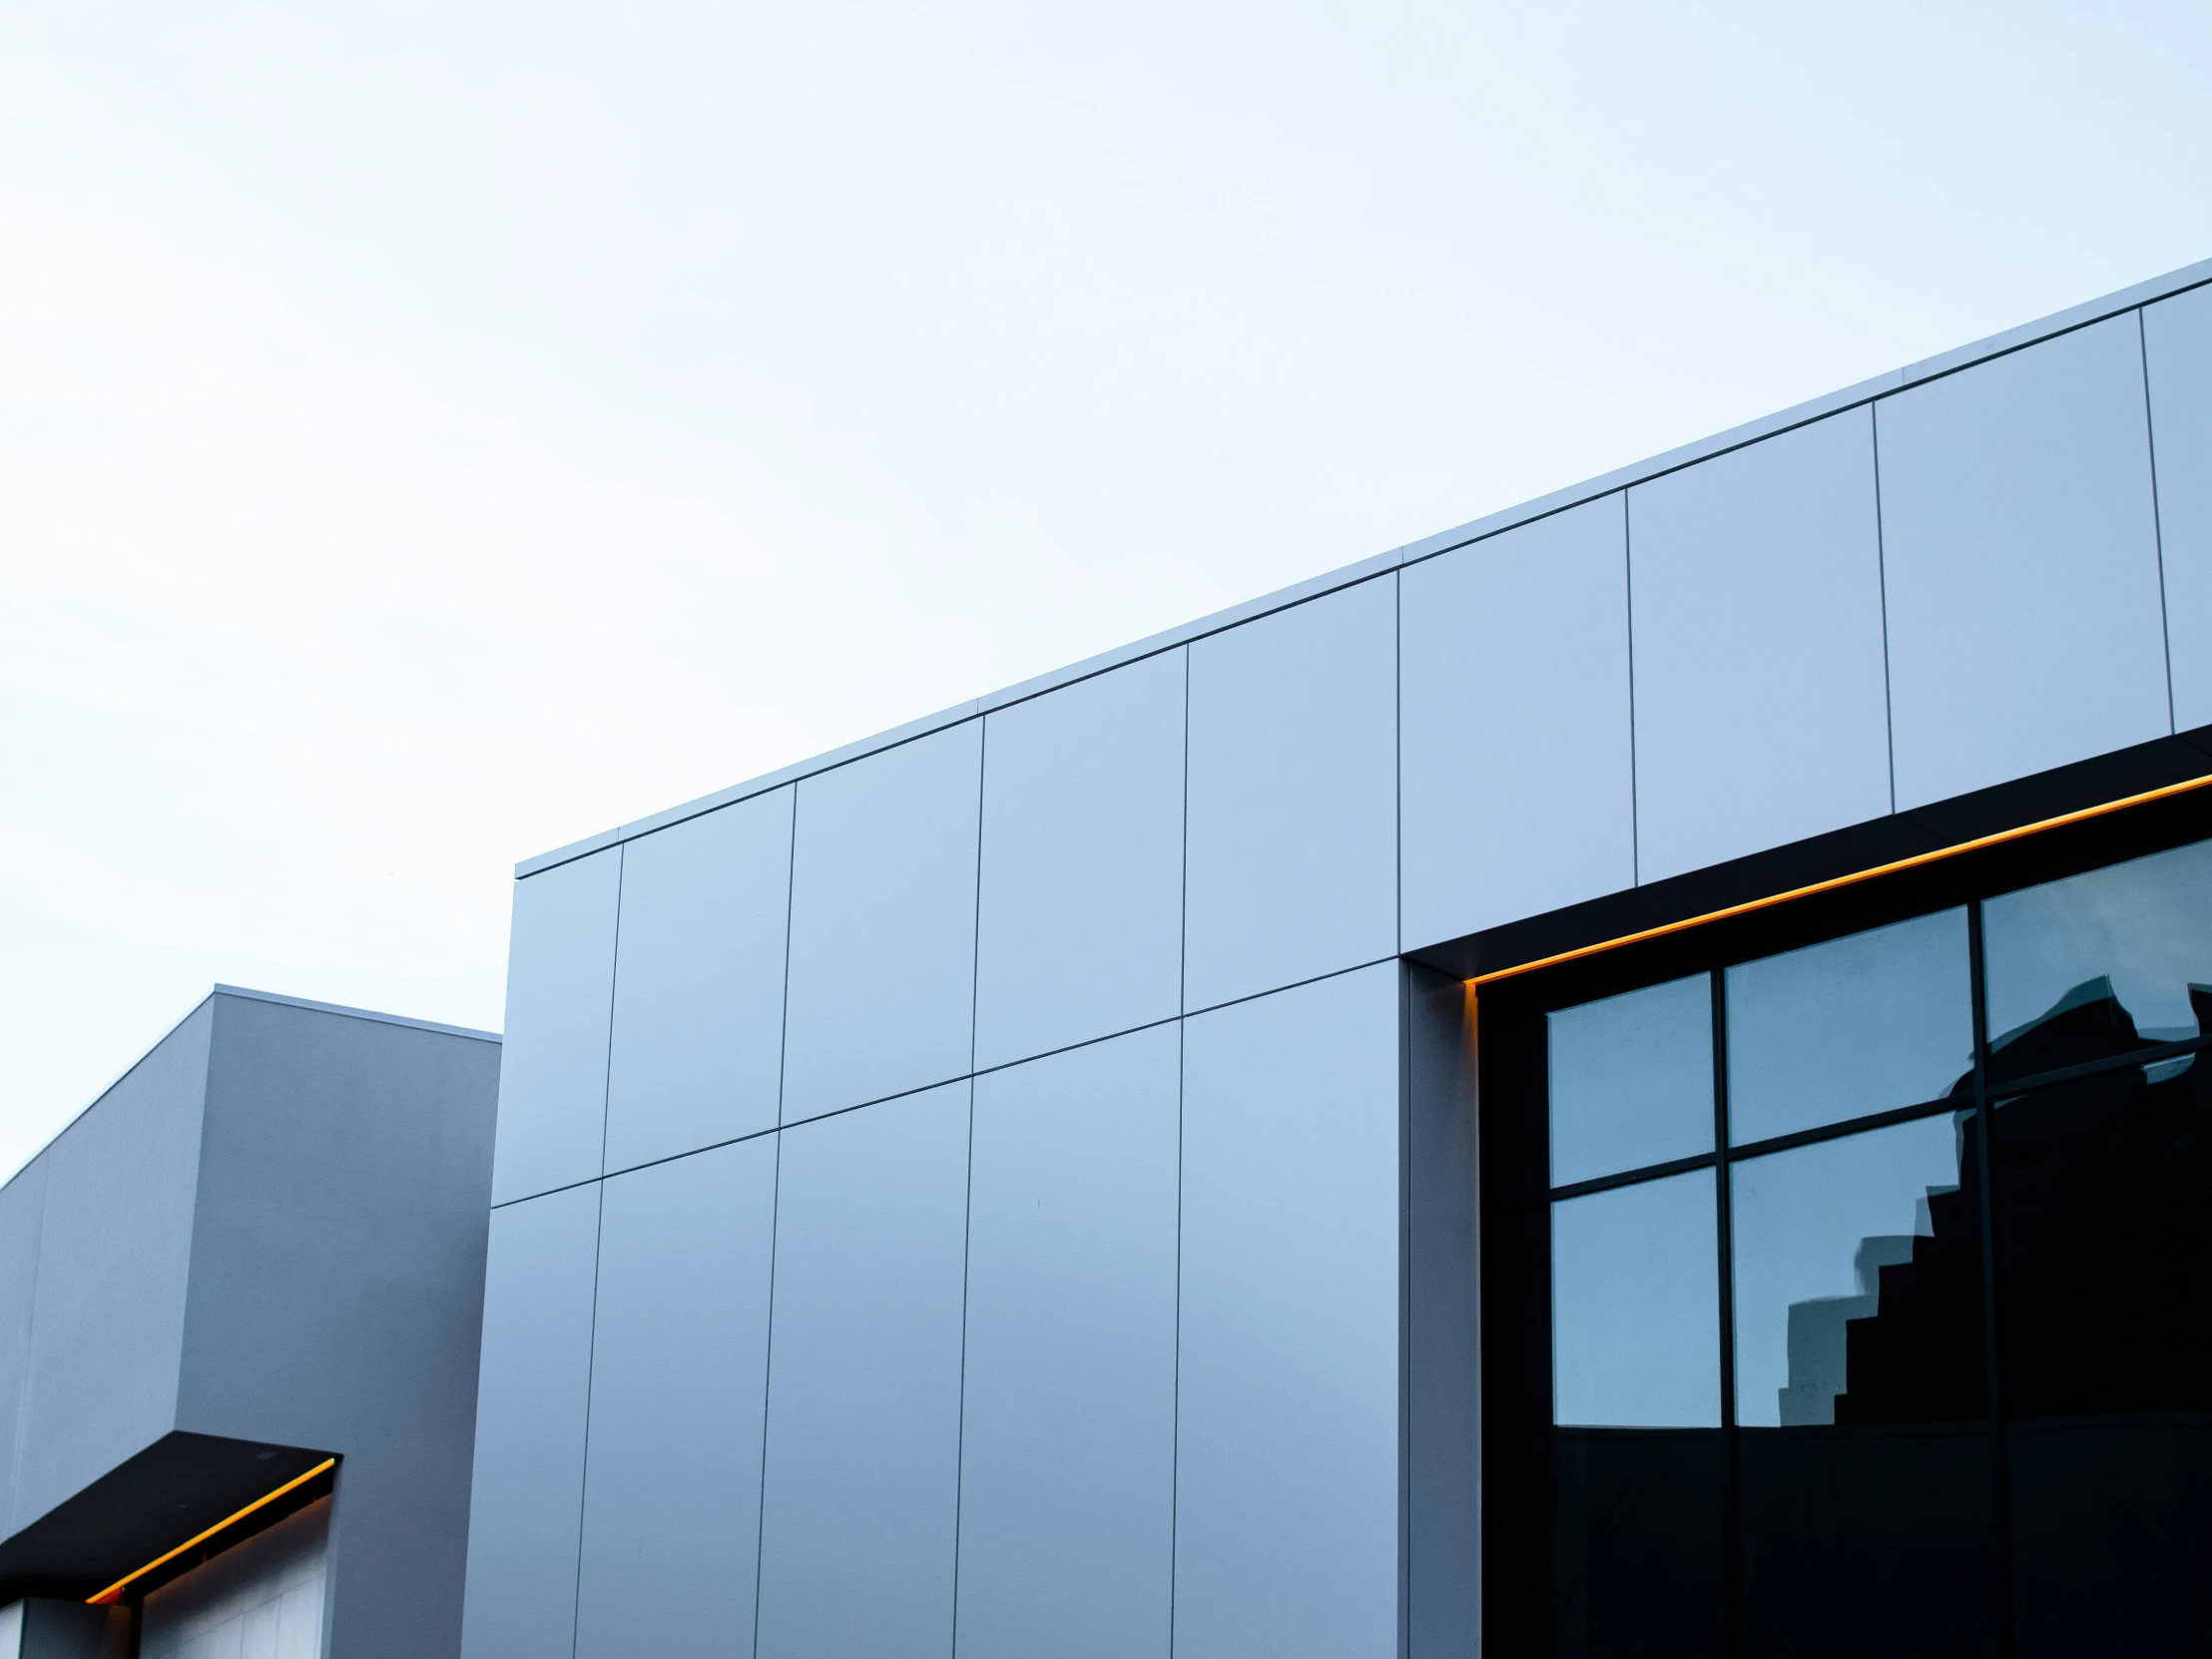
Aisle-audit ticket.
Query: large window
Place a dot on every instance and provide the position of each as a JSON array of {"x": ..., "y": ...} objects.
[{"x": 1873, "y": 1281}]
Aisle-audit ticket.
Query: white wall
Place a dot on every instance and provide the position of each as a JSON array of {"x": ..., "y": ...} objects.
[{"x": 261, "y": 1599}]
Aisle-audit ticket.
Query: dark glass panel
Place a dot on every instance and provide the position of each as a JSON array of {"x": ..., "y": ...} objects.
[
  {"x": 2103, "y": 1258},
  {"x": 1868, "y": 1540},
  {"x": 2111, "y": 1534},
  {"x": 1858, "y": 1025},
  {"x": 1820, "y": 1234},
  {"x": 1858, "y": 1301},
  {"x": 1637, "y": 1506},
  {"x": 1635, "y": 1305},
  {"x": 2100, "y": 963},
  {"x": 1638, "y": 1559},
  {"x": 1632, "y": 1080}
]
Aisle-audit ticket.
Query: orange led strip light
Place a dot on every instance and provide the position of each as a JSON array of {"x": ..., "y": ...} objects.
[
  {"x": 116, "y": 1589},
  {"x": 1833, "y": 882}
]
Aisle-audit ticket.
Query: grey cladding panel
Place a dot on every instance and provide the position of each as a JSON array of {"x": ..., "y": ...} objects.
[
  {"x": 678, "y": 1374},
  {"x": 2023, "y": 565},
  {"x": 1444, "y": 1394},
  {"x": 532, "y": 1397},
  {"x": 882, "y": 950},
  {"x": 115, "y": 1254},
  {"x": 863, "y": 1416},
  {"x": 1762, "y": 710},
  {"x": 1293, "y": 784},
  {"x": 697, "y": 1048},
  {"x": 1517, "y": 785},
  {"x": 2178, "y": 337},
  {"x": 338, "y": 1276},
  {"x": 1069, "y": 1458},
  {"x": 1081, "y": 930},
  {"x": 22, "y": 1205},
  {"x": 1286, "y": 1472},
  {"x": 560, "y": 997}
]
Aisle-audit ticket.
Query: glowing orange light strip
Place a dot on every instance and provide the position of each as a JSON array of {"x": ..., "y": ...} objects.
[
  {"x": 116, "y": 1589},
  {"x": 1834, "y": 882}
]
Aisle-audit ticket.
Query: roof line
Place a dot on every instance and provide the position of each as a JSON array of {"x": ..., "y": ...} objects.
[
  {"x": 355, "y": 1013},
  {"x": 1543, "y": 506},
  {"x": 180, "y": 1022}
]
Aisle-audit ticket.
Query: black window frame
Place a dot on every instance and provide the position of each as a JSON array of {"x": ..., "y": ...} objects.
[{"x": 1515, "y": 1193}]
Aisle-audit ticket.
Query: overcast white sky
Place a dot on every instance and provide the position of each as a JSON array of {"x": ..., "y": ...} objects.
[{"x": 431, "y": 432}]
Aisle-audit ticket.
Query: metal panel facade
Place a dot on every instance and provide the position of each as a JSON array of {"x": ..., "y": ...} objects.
[
  {"x": 533, "y": 1397},
  {"x": 2177, "y": 348},
  {"x": 2020, "y": 553},
  {"x": 698, "y": 1045},
  {"x": 1100, "y": 1279},
  {"x": 859, "y": 1510},
  {"x": 1516, "y": 654},
  {"x": 678, "y": 1379},
  {"x": 1287, "y": 1442},
  {"x": 22, "y": 1205},
  {"x": 1068, "y": 1471},
  {"x": 1293, "y": 822},
  {"x": 1762, "y": 706},
  {"x": 884, "y": 924},
  {"x": 560, "y": 997},
  {"x": 1081, "y": 924}
]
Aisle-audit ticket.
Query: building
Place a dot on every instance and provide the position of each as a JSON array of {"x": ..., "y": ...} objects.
[
  {"x": 240, "y": 1304},
  {"x": 1620, "y": 1080}
]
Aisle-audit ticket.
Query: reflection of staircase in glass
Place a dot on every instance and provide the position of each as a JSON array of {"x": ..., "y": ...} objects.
[
  {"x": 1915, "y": 1355},
  {"x": 1815, "y": 1336},
  {"x": 2102, "y": 1237}
]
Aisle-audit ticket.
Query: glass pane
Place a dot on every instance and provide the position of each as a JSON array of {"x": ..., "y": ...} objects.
[
  {"x": 2099, "y": 963},
  {"x": 1635, "y": 1305},
  {"x": 2103, "y": 1257},
  {"x": 1857, "y": 1025},
  {"x": 1638, "y": 1561},
  {"x": 1865, "y": 1462},
  {"x": 1632, "y": 1080},
  {"x": 1857, "y": 1280}
]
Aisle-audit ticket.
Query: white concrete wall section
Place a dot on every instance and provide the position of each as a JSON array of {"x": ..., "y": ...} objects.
[{"x": 261, "y": 1599}]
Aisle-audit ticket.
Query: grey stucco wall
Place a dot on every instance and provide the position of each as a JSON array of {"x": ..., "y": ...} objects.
[
  {"x": 108, "y": 1269},
  {"x": 271, "y": 1229},
  {"x": 336, "y": 1281}
]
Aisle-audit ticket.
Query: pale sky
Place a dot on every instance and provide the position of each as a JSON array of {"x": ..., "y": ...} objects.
[{"x": 432, "y": 432}]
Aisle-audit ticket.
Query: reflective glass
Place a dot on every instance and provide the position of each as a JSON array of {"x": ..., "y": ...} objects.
[
  {"x": 1864, "y": 1462},
  {"x": 2102, "y": 1261},
  {"x": 1635, "y": 1305},
  {"x": 2099, "y": 963},
  {"x": 1831, "y": 1240},
  {"x": 1638, "y": 1562},
  {"x": 1853, "y": 1026},
  {"x": 1632, "y": 1080}
]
